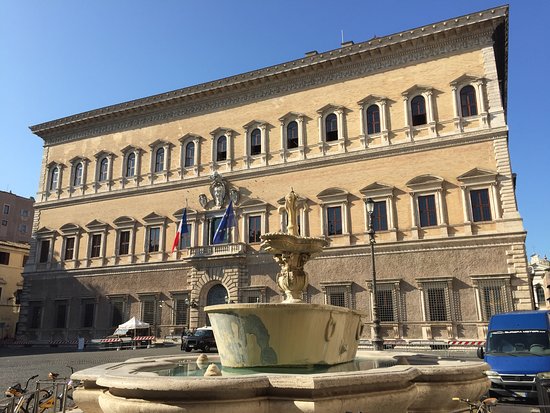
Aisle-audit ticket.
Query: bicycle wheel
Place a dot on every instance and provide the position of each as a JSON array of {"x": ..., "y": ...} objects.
[{"x": 31, "y": 402}]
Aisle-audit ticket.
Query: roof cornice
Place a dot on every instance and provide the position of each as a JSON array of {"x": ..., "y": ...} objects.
[{"x": 125, "y": 113}]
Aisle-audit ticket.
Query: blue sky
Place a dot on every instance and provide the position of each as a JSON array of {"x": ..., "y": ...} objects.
[{"x": 58, "y": 58}]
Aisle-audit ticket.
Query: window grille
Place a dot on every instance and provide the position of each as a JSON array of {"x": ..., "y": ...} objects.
[
  {"x": 437, "y": 300},
  {"x": 180, "y": 311},
  {"x": 495, "y": 297},
  {"x": 117, "y": 314},
  {"x": 44, "y": 251},
  {"x": 337, "y": 295},
  {"x": 148, "y": 311},
  {"x": 88, "y": 312},
  {"x": 36, "y": 314},
  {"x": 386, "y": 302},
  {"x": 60, "y": 314}
]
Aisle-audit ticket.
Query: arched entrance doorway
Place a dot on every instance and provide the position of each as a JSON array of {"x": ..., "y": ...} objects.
[{"x": 216, "y": 295}]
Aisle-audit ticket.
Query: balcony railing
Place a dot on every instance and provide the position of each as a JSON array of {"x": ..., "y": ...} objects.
[{"x": 217, "y": 250}]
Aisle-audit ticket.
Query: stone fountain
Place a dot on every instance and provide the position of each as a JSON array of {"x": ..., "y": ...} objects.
[
  {"x": 293, "y": 332},
  {"x": 286, "y": 357}
]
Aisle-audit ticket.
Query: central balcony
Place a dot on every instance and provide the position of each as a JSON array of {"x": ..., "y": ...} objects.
[{"x": 217, "y": 250}]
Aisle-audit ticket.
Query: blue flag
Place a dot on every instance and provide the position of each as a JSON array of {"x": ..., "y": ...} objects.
[{"x": 228, "y": 220}]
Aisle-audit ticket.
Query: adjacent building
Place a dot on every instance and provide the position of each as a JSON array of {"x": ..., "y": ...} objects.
[
  {"x": 16, "y": 217},
  {"x": 539, "y": 268},
  {"x": 415, "y": 120},
  {"x": 13, "y": 256}
]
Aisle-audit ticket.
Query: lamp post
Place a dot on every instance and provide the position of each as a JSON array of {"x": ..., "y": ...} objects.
[{"x": 377, "y": 341}]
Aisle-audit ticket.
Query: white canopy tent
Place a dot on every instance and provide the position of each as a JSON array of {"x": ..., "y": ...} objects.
[{"x": 131, "y": 324}]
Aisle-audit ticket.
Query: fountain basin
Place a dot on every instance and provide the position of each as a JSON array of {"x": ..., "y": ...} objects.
[
  {"x": 134, "y": 386},
  {"x": 279, "y": 243},
  {"x": 290, "y": 334}
]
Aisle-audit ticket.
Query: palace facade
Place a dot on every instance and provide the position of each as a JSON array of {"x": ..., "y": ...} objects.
[{"x": 415, "y": 120}]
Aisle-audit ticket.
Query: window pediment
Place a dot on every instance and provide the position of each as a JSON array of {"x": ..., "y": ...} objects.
[
  {"x": 466, "y": 79},
  {"x": 222, "y": 131},
  {"x": 332, "y": 193},
  {"x": 189, "y": 136},
  {"x": 130, "y": 148},
  {"x": 291, "y": 116},
  {"x": 478, "y": 176},
  {"x": 372, "y": 99},
  {"x": 160, "y": 142},
  {"x": 377, "y": 189},
  {"x": 124, "y": 221},
  {"x": 96, "y": 225},
  {"x": 249, "y": 203},
  {"x": 102, "y": 154},
  {"x": 190, "y": 213},
  {"x": 54, "y": 164},
  {"x": 330, "y": 108},
  {"x": 255, "y": 124},
  {"x": 70, "y": 228},
  {"x": 153, "y": 218},
  {"x": 45, "y": 232},
  {"x": 426, "y": 182},
  {"x": 417, "y": 89},
  {"x": 77, "y": 159}
]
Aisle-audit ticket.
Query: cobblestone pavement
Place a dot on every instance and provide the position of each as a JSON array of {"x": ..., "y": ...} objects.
[{"x": 18, "y": 364}]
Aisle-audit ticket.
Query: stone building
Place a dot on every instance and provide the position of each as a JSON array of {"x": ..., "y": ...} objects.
[
  {"x": 539, "y": 269},
  {"x": 13, "y": 256},
  {"x": 416, "y": 121}
]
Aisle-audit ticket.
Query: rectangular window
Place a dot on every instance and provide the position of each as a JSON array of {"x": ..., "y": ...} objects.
[
  {"x": 185, "y": 240},
  {"x": 60, "y": 314},
  {"x": 23, "y": 228},
  {"x": 117, "y": 312},
  {"x": 148, "y": 311},
  {"x": 214, "y": 223},
  {"x": 124, "y": 243},
  {"x": 385, "y": 303},
  {"x": 254, "y": 228},
  {"x": 495, "y": 297},
  {"x": 481, "y": 208},
  {"x": 4, "y": 222},
  {"x": 36, "y": 315},
  {"x": 153, "y": 242},
  {"x": 69, "y": 248},
  {"x": 437, "y": 304},
  {"x": 95, "y": 250},
  {"x": 379, "y": 217},
  {"x": 17, "y": 295},
  {"x": 6, "y": 209},
  {"x": 337, "y": 298},
  {"x": 0, "y": 294},
  {"x": 24, "y": 212},
  {"x": 426, "y": 211},
  {"x": 88, "y": 312},
  {"x": 253, "y": 299},
  {"x": 44, "y": 251},
  {"x": 334, "y": 220},
  {"x": 180, "y": 311},
  {"x": 4, "y": 258}
]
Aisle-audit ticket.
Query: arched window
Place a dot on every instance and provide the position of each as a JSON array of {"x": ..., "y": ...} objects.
[
  {"x": 217, "y": 295},
  {"x": 468, "y": 103},
  {"x": 331, "y": 128},
  {"x": 77, "y": 178},
  {"x": 255, "y": 142},
  {"x": 418, "y": 110},
  {"x": 54, "y": 178},
  {"x": 373, "y": 119},
  {"x": 292, "y": 135},
  {"x": 189, "y": 154},
  {"x": 103, "y": 169},
  {"x": 159, "y": 160},
  {"x": 131, "y": 165},
  {"x": 221, "y": 148}
]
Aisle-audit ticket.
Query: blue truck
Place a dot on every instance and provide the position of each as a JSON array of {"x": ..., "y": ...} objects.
[{"x": 517, "y": 349}]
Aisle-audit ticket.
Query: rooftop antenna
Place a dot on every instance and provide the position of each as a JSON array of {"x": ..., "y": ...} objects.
[{"x": 342, "y": 31}]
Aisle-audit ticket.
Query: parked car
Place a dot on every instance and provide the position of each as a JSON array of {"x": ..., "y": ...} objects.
[
  {"x": 201, "y": 339},
  {"x": 517, "y": 349}
]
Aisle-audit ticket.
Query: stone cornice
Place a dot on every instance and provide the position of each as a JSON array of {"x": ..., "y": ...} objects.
[
  {"x": 352, "y": 61},
  {"x": 311, "y": 163}
]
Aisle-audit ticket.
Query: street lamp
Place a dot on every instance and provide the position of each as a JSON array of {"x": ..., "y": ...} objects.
[{"x": 377, "y": 341}]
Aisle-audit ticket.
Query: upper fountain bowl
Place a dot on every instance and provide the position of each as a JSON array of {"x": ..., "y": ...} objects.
[{"x": 278, "y": 242}]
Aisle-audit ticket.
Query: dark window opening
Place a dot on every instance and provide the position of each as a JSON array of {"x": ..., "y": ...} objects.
[
  {"x": 95, "y": 250},
  {"x": 255, "y": 142},
  {"x": 54, "y": 177},
  {"x": 36, "y": 315},
  {"x": 373, "y": 119},
  {"x": 159, "y": 160},
  {"x": 418, "y": 110},
  {"x": 4, "y": 258},
  {"x": 331, "y": 128},
  {"x": 61, "y": 315},
  {"x": 154, "y": 240},
  {"x": 292, "y": 135},
  {"x": 254, "y": 228},
  {"x": 221, "y": 149},
  {"x": 384, "y": 301},
  {"x": 334, "y": 220},
  {"x": 131, "y": 165},
  {"x": 379, "y": 216},
  {"x": 69, "y": 248},
  {"x": 44, "y": 251},
  {"x": 481, "y": 207},
  {"x": 88, "y": 314},
  {"x": 468, "y": 102},
  {"x": 104, "y": 169},
  {"x": 124, "y": 243},
  {"x": 78, "y": 170},
  {"x": 189, "y": 154},
  {"x": 117, "y": 315},
  {"x": 427, "y": 211},
  {"x": 437, "y": 304}
]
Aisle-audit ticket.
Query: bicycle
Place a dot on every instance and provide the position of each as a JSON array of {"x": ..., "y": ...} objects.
[
  {"x": 57, "y": 395},
  {"x": 22, "y": 394},
  {"x": 482, "y": 406}
]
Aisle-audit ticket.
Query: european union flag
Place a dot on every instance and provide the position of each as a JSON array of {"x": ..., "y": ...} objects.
[{"x": 228, "y": 220}]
